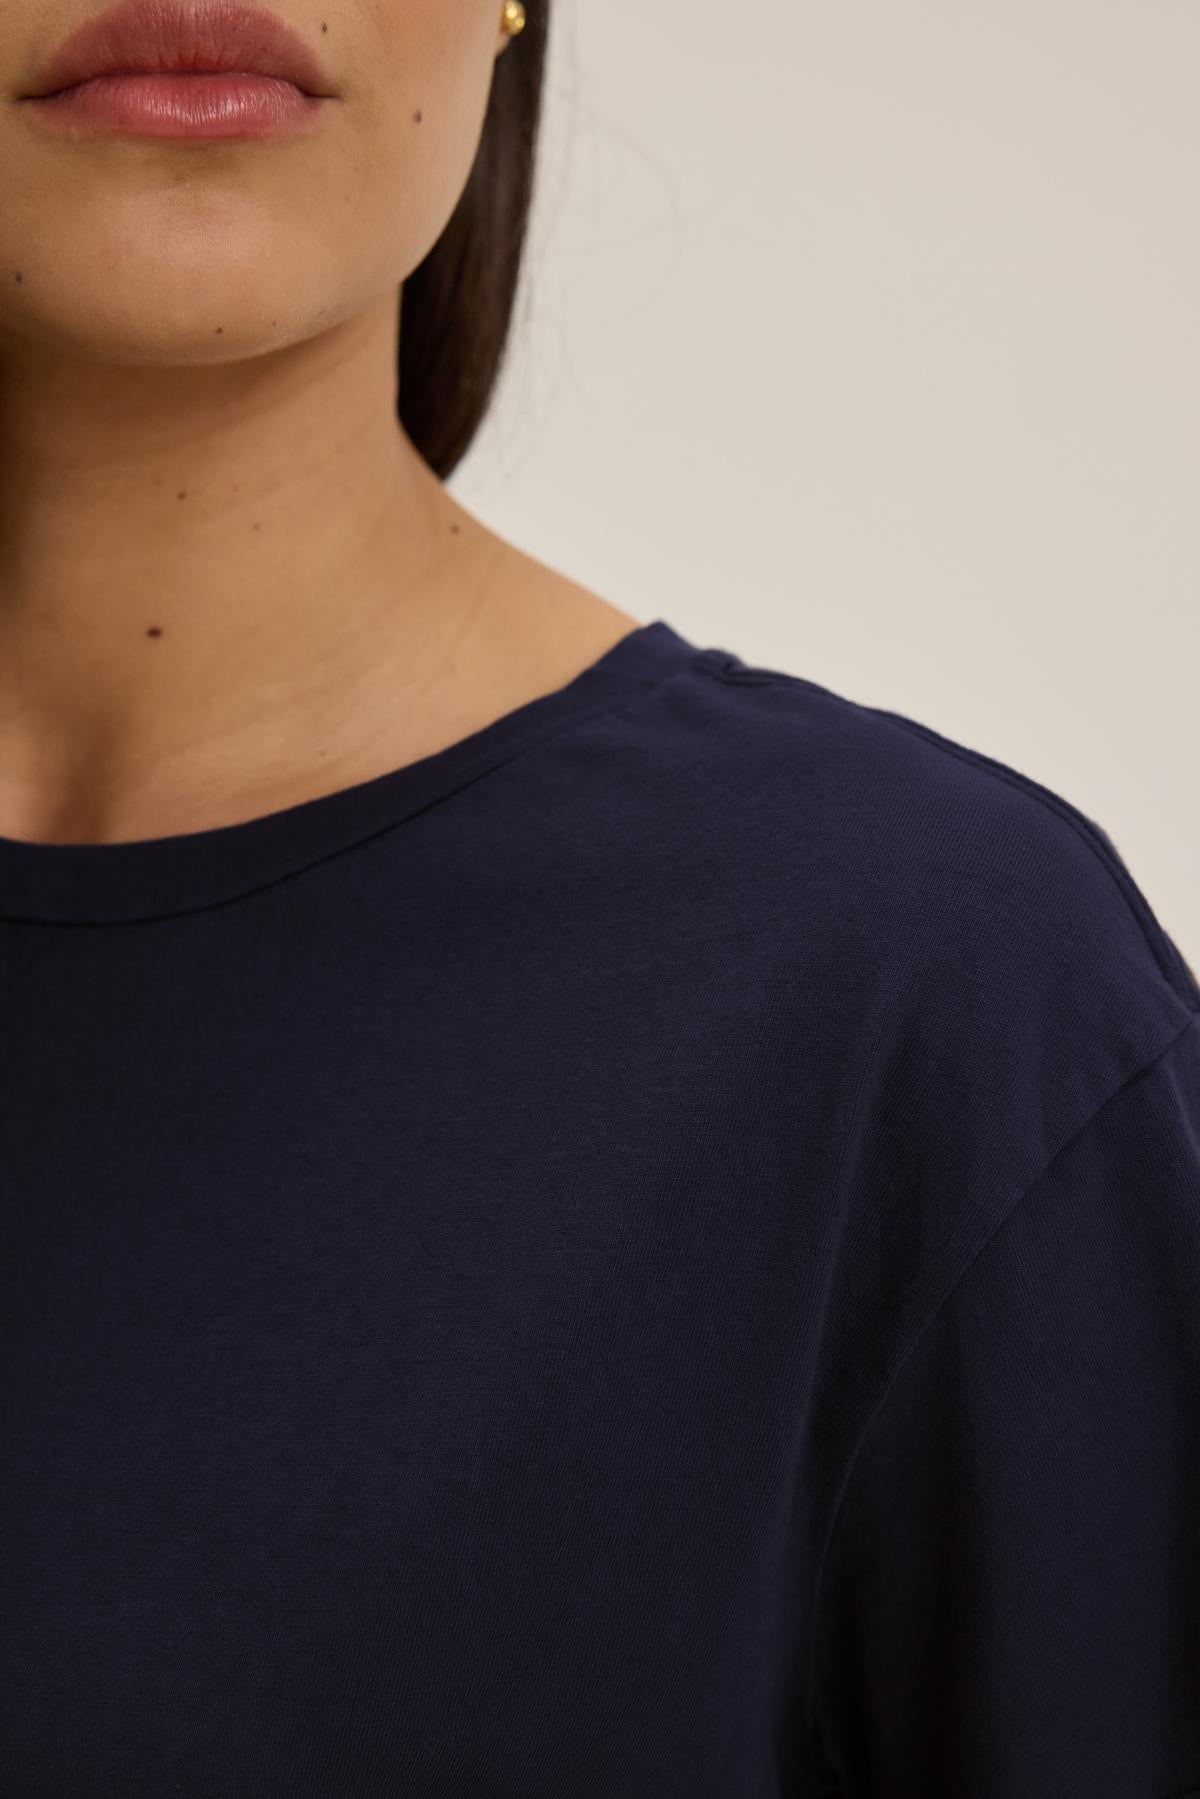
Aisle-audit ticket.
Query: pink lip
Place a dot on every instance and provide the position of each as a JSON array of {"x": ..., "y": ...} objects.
[
  {"x": 181, "y": 106},
  {"x": 168, "y": 38}
]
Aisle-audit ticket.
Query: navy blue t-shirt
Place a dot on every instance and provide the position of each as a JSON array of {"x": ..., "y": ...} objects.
[{"x": 651, "y": 1254}]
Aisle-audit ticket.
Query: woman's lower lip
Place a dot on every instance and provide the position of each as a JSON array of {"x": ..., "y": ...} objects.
[{"x": 182, "y": 106}]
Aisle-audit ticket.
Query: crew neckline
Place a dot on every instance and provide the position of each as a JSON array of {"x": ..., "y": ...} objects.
[{"x": 160, "y": 877}]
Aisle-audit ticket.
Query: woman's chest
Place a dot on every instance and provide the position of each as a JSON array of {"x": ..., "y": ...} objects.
[{"x": 399, "y": 1437}]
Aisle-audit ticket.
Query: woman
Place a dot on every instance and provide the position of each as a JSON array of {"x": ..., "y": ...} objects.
[{"x": 580, "y": 1217}]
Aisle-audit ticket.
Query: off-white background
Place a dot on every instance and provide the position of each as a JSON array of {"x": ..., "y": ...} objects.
[{"x": 865, "y": 341}]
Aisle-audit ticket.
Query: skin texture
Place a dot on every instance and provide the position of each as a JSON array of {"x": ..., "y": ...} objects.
[{"x": 228, "y": 582}]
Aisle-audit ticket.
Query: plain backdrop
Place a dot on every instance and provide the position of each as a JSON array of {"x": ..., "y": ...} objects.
[{"x": 864, "y": 341}]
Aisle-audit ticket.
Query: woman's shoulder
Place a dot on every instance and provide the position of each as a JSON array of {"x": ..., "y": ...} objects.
[
  {"x": 966, "y": 950},
  {"x": 923, "y": 843}
]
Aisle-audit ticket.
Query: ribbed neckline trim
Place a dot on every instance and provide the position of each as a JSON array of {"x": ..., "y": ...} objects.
[{"x": 160, "y": 877}]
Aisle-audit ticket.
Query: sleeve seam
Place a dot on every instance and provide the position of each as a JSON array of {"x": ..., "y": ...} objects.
[{"x": 880, "y": 1403}]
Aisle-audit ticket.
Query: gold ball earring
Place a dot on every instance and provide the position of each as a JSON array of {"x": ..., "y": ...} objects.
[{"x": 513, "y": 20}]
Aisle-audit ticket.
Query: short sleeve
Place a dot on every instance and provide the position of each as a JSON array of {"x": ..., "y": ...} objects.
[{"x": 1009, "y": 1601}]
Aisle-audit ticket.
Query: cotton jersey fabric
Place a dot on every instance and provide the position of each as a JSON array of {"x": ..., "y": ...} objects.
[{"x": 651, "y": 1254}]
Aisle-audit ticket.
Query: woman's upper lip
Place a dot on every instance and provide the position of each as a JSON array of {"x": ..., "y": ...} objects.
[{"x": 159, "y": 37}]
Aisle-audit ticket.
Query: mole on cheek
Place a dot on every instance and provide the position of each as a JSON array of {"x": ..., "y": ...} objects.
[
  {"x": 19, "y": 277},
  {"x": 154, "y": 631},
  {"x": 417, "y": 117}
]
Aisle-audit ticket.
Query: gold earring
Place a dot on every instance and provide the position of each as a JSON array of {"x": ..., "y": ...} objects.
[{"x": 513, "y": 20}]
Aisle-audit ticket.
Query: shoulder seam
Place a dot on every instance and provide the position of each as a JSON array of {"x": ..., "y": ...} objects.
[
  {"x": 1182, "y": 978},
  {"x": 877, "y": 1409}
]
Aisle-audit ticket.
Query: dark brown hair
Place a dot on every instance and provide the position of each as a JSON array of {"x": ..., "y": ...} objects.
[{"x": 457, "y": 306}]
